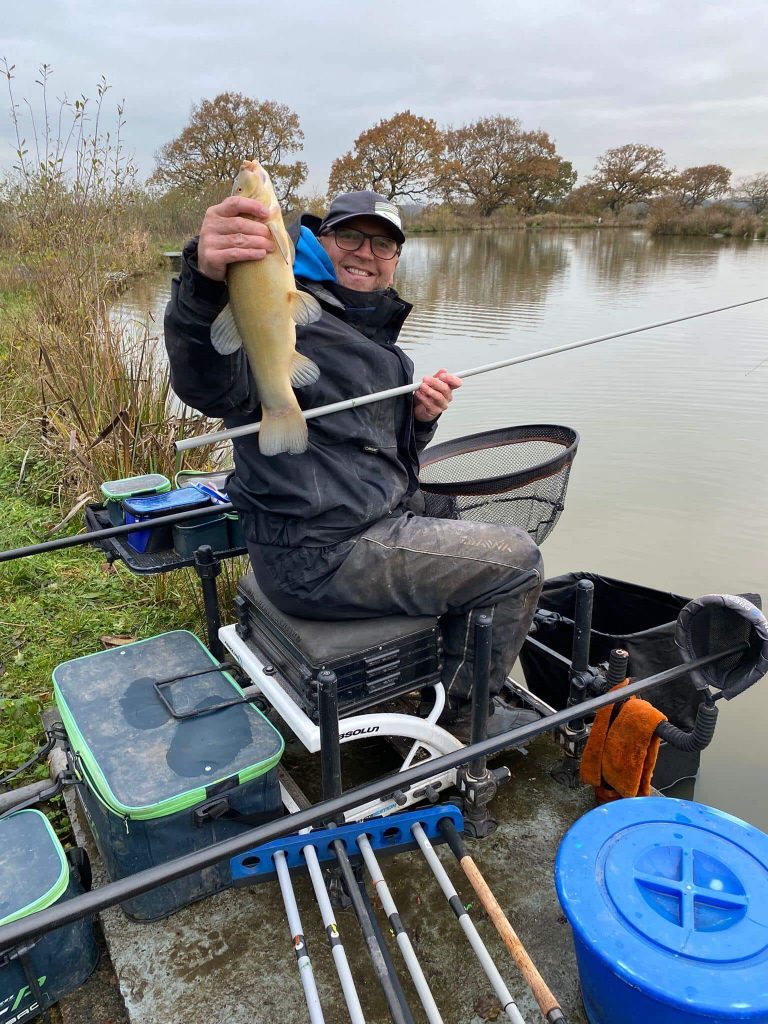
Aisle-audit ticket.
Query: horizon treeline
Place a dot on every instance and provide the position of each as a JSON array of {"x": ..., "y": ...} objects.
[{"x": 485, "y": 165}]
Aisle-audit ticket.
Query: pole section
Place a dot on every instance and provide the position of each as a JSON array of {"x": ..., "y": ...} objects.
[{"x": 324, "y": 410}]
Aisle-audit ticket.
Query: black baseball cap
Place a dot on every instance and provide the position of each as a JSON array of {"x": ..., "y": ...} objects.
[{"x": 362, "y": 204}]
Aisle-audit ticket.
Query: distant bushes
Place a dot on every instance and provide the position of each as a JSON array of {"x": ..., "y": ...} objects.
[{"x": 666, "y": 217}]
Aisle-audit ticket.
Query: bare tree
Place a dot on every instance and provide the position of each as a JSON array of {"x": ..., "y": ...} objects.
[{"x": 754, "y": 191}]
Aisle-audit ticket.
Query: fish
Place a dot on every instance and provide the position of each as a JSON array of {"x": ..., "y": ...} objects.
[{"x": 263, "y": 310}]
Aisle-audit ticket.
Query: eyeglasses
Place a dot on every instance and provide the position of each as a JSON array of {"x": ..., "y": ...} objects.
[{"x": 350, "y": 239}]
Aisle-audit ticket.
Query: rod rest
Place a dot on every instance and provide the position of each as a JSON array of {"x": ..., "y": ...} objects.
[{"x": 700, "y": 735}]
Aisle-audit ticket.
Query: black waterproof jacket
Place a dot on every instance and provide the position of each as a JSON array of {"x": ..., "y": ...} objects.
[{"x": 361, "y": 464}]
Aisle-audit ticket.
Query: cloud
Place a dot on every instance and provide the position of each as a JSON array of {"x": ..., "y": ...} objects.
[{"x": 689, "y": 77}]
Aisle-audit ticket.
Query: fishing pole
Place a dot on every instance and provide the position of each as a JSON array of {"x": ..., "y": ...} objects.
[
  {"x": 549, "y": 1006},
  {"x": 94, "y": 536},
  {"x": 505, "y": 997},
  {"x": 66, "y": 911},
  {"x": 401, "y": 936},
  {"x": 350, "y": 403},
  {"x": 303, "y": 962}
]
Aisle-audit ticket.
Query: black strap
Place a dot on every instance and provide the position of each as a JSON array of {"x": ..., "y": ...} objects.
[
  {"x": 34, "y": 987},
  {"x": 218, "y": 808}
]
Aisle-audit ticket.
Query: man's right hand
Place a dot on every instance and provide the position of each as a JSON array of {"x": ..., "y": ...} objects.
[{"x": 231, "y": 232}]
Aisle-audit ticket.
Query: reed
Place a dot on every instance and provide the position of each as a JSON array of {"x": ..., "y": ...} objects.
[
  {"x": 90, "y": 389},
  {"x": 667, "y": 217}
]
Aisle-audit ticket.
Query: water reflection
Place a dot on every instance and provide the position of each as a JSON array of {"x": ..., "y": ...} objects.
[{"x": 669, "y": 488}]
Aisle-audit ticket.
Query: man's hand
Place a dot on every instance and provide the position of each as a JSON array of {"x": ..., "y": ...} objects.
[
  {"x": 434, "y": 395},
  {"x": 232, "y": 231}
]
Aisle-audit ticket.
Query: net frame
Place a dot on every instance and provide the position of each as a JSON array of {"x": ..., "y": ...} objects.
[{"x": 489, "y": 488}]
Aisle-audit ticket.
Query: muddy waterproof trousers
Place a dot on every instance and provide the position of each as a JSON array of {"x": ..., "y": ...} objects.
[{"x": 417, "y": 565}]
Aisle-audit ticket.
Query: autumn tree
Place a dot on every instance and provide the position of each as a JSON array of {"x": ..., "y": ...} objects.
[
  {"x": 493, "y": 163},
  {"x": 695, "y": 185},
  {"x": 630, "y": 174},
  {"x": 398, "y": 158},
  {"x": 753, "y": 190},
  {"x": 223, "y": 132}
]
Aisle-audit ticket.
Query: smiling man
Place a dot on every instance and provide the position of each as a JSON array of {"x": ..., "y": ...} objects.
[{"x": 338, "y": 531}]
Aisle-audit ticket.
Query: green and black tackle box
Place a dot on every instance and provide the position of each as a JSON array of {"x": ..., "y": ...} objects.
[
  {"x": 35, "y": 873},
  {"x": 170, "y": 759}
]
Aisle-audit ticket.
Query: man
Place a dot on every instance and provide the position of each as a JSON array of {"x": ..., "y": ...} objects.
[{"x": 334, "y": 532}]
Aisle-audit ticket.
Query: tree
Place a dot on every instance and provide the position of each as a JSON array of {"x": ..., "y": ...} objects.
[
  {"x": 223, "y": 132},
  {"x": 493, "y": 163},
  {"x": 398, "y": 158},
  {"x": 754, "y": 191},
  {"x": 695, "y": 185},
  {"x": 630, "y": 174}
]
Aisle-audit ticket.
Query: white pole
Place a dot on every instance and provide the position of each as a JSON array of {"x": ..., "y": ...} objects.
[
  {"x": 449, "y": 891},
  {"x": 299, "y": 944},
  {"x": 325, "y": 410}
]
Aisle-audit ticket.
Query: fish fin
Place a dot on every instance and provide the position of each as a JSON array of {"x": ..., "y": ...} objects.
[
  {"x": 281, "y": 238},
  {"x": 305, "y": 309},
  {"x": 283, "y": 432},
  {"x": 303, "y": 371},
  {"x": 225, "y": 336}
]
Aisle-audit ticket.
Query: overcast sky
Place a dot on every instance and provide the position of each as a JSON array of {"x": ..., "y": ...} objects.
[{"x": 689, "y": 76}]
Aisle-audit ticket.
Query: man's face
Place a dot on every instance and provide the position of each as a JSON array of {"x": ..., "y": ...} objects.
[{"x": 361, "y": 270}]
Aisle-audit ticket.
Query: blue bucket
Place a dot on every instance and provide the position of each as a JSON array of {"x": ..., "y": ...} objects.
[{"x": 668, "y": 902}]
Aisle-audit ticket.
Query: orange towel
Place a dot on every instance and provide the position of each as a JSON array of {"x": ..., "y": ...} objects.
[{"x": 621, "y": 751}]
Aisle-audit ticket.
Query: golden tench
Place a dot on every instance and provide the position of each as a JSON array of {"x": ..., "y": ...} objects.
[{"x": 264, "y": 308}]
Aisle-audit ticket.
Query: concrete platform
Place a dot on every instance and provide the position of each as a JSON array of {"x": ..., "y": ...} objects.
[{"x": 229, "y": 959}]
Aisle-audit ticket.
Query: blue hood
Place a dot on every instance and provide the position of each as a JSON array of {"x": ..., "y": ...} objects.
[{"x": 312, "y": 261}]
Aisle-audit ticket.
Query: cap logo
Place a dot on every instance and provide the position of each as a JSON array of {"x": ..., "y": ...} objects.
[{"x": 389, "y": 211}]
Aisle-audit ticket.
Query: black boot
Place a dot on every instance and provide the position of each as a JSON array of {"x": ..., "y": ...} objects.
[{"x": 457, "y": 719}]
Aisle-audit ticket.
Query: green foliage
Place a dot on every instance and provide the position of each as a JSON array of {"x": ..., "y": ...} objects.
[{"x": 59, "y": 605}]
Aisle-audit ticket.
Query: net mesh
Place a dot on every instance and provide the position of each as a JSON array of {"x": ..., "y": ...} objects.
[{"x": 515, "y": 476}]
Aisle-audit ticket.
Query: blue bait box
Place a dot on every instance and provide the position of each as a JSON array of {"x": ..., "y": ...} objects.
[
  {"x": 668, "y": 902},
  {"x": 154, "y": 507},
  {"x": 171, "y": 758},
  {"x": 34, "y": 875}
]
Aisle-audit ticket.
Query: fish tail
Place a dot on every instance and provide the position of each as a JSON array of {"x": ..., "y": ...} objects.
[{"x": 283, "y": 432}]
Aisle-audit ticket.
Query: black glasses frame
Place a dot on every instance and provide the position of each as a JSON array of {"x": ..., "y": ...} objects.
[{"x": 373, "y": 239}]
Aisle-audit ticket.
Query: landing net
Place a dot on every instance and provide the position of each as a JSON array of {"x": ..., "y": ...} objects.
[{"x": 516, "y": 475}]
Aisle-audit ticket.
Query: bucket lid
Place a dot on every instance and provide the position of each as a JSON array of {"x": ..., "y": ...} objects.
[
  {"x": 33, "y": 868},
  {"x": 132, "y": 486},
  {"x": 672, "y": 896},
  {"x": 134, "y": 755}
]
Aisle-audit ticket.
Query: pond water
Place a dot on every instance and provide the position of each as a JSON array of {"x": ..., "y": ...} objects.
[{"x": 670, "y": 486}]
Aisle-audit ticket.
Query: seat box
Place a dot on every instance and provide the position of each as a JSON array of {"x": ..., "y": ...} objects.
[
  {"x": 374, "y": 659},
  {"x": 34, "y": 875},
  {"x": 166, "y": 768}
]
